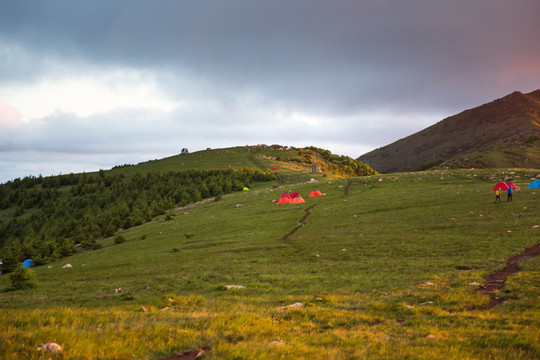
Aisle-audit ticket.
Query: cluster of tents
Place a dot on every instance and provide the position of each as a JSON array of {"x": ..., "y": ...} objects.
[
  {"x": 295, "y": 198},
  {"x": 535, "y": 184}
]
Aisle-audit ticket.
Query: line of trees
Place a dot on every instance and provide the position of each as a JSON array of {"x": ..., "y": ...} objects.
[{"x": 49, "y": 216}]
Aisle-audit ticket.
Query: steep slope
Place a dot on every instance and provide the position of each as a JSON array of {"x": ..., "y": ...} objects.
[{"x": 513, "y": 118}]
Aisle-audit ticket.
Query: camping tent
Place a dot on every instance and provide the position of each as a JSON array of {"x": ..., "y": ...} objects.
[
  {"x": 511, "y": 185},
  {"x": 245, "y": 188},
  {"x": 297, "y": 199},
  {"x": 535, "y": 184},
  {"x": 315, "y": 193},
  {"x": 285, "y": 198},
  {"x": 500, "y": 185},
  {"x": 27, "y": 263},
  {"x": 294, "y": 194},
  {"x": 275, "y": 168}
]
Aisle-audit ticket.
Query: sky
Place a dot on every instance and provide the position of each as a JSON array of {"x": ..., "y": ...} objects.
[{"x": 87, "y": 85}]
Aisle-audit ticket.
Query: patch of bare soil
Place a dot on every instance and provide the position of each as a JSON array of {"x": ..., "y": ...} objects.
[
  {"x": 496, "y": 280},
  {"x": 301, "y": 223}
]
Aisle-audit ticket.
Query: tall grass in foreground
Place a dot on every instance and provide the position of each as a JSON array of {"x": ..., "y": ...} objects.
[
  {"x": 236, "y": 326},
  {"x": 386, "y": 272}
]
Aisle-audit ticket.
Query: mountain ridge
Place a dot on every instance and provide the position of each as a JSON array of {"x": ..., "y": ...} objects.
[{"x": 515, "y": 117}]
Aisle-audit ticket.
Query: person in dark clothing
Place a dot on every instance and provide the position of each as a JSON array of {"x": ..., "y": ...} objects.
[{"x": 509, "y": 194}]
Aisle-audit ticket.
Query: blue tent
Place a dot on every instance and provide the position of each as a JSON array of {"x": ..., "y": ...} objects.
[
  {"x": 28, "y": 263},
  {"x": 535, "y": 184}
]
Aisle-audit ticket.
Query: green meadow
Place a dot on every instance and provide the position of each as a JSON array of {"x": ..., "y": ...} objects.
[{"x": 380, "y": 267}]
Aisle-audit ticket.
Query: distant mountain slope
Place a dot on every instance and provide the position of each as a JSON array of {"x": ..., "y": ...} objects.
[{"x": 512, "y": 119}]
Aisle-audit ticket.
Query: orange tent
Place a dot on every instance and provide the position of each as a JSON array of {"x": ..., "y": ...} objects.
[
  {"x": 298, "y": 200},
  {"x": 285, "y": 198},
  {"x": 315, "y": 193}
]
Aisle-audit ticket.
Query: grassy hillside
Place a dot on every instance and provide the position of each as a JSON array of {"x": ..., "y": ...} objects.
[
  {"x": 383, "y": 266},
  {"x": 482, "y": 135},
  {"x": 48, "y": 218}
]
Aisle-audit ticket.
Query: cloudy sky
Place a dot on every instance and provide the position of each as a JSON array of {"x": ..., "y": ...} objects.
[{"x": 86, "y": 85}]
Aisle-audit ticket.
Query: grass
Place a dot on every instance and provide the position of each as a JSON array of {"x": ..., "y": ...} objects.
[{"x": 383, "y": 272}]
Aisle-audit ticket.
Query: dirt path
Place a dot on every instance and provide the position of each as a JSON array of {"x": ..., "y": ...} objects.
[
  {"x": 301, "y": 223},
  {"x": 496, "y": 280},
  {"x": 346, "y": 192},
  {"x": 189, "y": 355}
]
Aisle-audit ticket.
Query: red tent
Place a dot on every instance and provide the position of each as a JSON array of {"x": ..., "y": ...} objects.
[
  {"x": 294, "y": 194},
  {"x": 511, "y": 185},
  {"x": 501, "y": 185},
  {"x": 315, "y": 193},
  {"x": 275, "y": 168}
]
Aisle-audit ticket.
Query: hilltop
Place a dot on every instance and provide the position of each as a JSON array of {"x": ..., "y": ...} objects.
[
  {"x": 502, "y": 133},
  {"x": 261, "y": 156}
]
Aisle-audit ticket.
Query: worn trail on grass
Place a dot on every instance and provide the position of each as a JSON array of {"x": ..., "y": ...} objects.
[
  {"x": 496, "y": 280},
  {"x": 301, "y": 223},
  {"x": 346, "y": 191}
]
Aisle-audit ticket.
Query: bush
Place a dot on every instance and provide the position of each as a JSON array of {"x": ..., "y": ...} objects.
[
  {"x": 119, "y": 239},
  {"x": 23, "y": 278}
]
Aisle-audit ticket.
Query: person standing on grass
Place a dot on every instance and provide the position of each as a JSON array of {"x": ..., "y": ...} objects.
[
  {"x": 498, "y": 195},
  {"x": 509, "y": 194}
]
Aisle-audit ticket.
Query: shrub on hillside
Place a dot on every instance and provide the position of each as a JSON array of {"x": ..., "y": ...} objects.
[
  {"x": 23, "y": 278},
  {"x": 119, "y": 239}
]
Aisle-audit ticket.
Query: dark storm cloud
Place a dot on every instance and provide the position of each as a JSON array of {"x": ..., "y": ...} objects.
[{"x": 338, "y": 56}]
